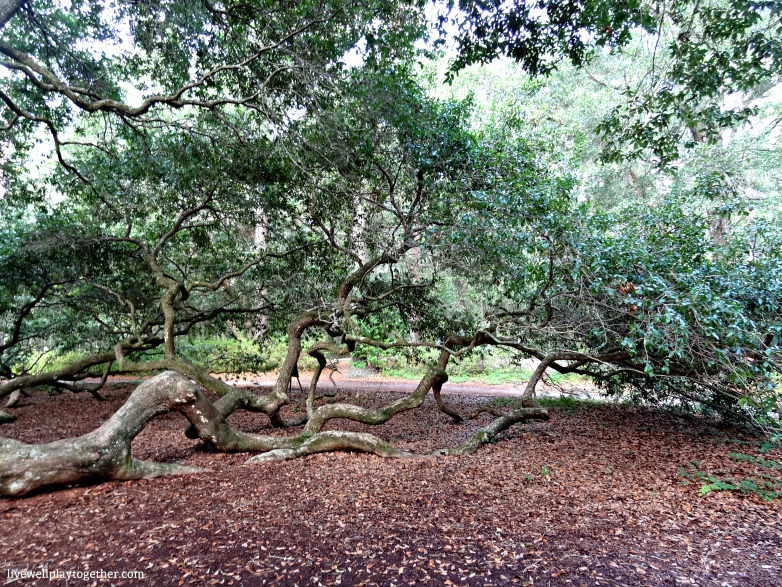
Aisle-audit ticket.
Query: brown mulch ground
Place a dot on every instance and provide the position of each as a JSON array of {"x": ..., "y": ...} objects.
[{"x": 611, "y": 510}]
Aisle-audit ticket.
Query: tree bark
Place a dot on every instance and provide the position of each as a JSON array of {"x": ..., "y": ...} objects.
[
  {"x": 101, "y": 454},
  {"x": 442, "y": 363},
  {"x": 528, "y": 397},
  {"x": 80, "y": 366},
  {"x": 490, "y": 432},
  {"x": 13, "y": 399},
  {"x": 328, "y": 412},
  {"x": 6, "y": 418},
  {"x": 335, "y": 440},
  {"x": 279, "y": 394},
  {"x": 106, "y": 452},
  {"x": 7, "y": 10}
]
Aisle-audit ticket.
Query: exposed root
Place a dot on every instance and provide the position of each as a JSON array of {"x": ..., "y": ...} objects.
[{"x": 6, "y": 418}]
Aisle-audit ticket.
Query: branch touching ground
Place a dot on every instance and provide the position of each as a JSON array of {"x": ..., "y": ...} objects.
[
  {"x": 6, "y": 418},
  {"x": 490, "y": 432},
  {"x": 106, "y": 452},
  {"x": 13, "y": 399},
  {"x": 101, "y": 454},
  {"x": 456, "y": 416},
  {"x": 335, "y": 440}
]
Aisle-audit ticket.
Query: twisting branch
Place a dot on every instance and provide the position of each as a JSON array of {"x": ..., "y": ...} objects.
[
  {"x": 102, "y": 454},
  {"x": 328, "y": 412},
  {"x": 23, "y": 312},
  {"x": 490, "y": 432},
  {"x": 50, "y": 82}
]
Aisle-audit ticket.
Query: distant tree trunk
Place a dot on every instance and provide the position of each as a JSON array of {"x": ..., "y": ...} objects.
[
  {"x": 260, "y": 241},
  {"x": 718, "y": 227},
  {"x": 632, "y": 179}
]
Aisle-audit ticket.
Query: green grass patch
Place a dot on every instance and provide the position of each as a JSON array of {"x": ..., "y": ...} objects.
[
  {"x": 765, "y": 486},
  {"x": 757, "y": 461},
  {"x": 567, "y": 403}
]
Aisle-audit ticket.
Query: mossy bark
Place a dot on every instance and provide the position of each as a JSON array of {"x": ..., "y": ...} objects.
[
  {"x": 331, "y": 441},
  {"x": 106, "y": 452},
  {"x": 50, "y": 377}
]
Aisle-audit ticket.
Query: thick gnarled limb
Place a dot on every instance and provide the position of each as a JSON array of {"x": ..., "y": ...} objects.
[
  {"x": 105, "y": 453},
  {"x": 101, "y": 454}
]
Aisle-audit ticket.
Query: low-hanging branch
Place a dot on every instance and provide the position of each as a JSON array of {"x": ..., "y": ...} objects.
[{"x": 101, "y": 454}]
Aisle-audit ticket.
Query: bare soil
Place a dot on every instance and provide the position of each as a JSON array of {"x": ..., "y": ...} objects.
[{"x": 592, "y": 497}]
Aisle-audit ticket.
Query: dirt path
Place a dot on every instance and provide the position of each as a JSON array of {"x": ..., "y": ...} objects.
[
  {"x": 592, "y": 497},
  {"x": 402, "y": 386},
  {"x": 375, "y": 384}
]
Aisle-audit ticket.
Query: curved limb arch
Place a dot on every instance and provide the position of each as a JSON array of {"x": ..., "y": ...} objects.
[
  {"x": 328, "y": 412},
  {"x": 105, "y": 453},
  {"x": 101, "y": 454}
]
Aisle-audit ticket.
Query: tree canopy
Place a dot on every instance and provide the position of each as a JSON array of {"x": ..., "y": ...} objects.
[{"x": 700, "y": 54}]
